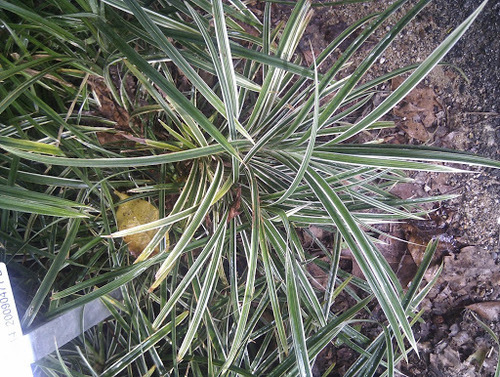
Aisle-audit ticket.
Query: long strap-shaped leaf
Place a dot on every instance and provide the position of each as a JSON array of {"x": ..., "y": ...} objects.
[
  {"x": 19, "y": 199},
  {"x": 20, "y": 68},
  {"x": 189, "y": 276},
  {"x": 121, "y": 162},
  {"x": 344, "y": 91},
  {"x": 50, "y": 277},
  {"x": 205, "y": 293},
  {"x": 364, "y": 254},
  {"x": 158, "y": 18},
  {"x": 191, "y": 229},
  {"x": 141, "y": 348},
  {"x": 273, "y": 294},
  {"x": 161, "y": 40},
  {"x": 20, "y": 89},
  {"x": 29, "y": 145},
  {"x": 180, "y": 61},
  {"x": 412, "y": 81},
  {"x": 312, "y": 141},
  {"x": 254, "y": 55},
  {"x": 252, "y": 255},
  {"x": 193, "y": 36},
  {"x": 370, "y": 60},
  {"x": 45, "y": 22},
  {"x": 297, "y": 326},
  {"x": 382, "y": 162},
  {"x": 295, "y": 91},
  {"x": 178, "y": 100},
  {"x": 320, "y": 340},
  {"x": 410, "y": 152},
  {"x": 227, "y": 76},
  {"x": 272, "y": 83},
  {"x": 225, "y": 72},
  {"x": 310, "y": 299},
  {"x": 121, "y": 279},
  {"x": 292, "y": 244},
  {"x": 382, "y": 343}
]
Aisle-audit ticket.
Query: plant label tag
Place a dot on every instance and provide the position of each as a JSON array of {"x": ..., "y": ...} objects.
[
  {"x": 15, "y": 349},
  {"x": 10, "y": 327}
]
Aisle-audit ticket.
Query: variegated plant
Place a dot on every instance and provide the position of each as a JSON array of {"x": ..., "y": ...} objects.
[{"x": 240, "y": 146}]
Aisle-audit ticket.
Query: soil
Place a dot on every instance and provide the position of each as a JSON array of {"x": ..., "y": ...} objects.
[{"x": 457, "y": 106}]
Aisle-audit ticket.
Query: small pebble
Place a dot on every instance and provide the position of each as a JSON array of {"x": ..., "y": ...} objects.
[{"x": 454, "y": 329}]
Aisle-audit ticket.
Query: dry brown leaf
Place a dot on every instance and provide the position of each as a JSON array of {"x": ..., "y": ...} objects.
[
  {"x": 441, "y": 183},
  {"x": 318, "y": 277},
  {"x": 470, "y": 268},
  {"x": 489, "y": 310},
  {"x": 395, "y": 252},
  {"x": 408, "y": 190},
  {"x": 114, "y": 140},
  {"x": 108, "y": 107},
  {"x": 133, "y": 213},
  {"x": 418, "y": 111},
  {"x": 235, "y": 207},
  {"x": 419, "y": 237},
  {"x": 415, "y": 130}
]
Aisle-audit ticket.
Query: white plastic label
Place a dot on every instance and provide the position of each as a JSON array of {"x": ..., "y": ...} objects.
[
  {"x": 15, "y": 349},
  {"x": 10, "y": 327}
]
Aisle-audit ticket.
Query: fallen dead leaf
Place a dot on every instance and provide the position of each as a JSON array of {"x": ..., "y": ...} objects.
[
  {"x": 114, "y": 140},
  {"x": 108, "y": 106},
  {"x": 419, "y": 237},
  {"x": 311, "y": 234},
  {"x": 408, "y": 190},
  {"x": 489, "y": 310},
  {"x": 395, "y": 251},
  {"x": 419, "y": 111},
  {"x": 133, "y": 213},
  {"x": 318, "y": 277},
  {"x": 440, "y": 182},
  {"x": 235, "y": 207},
  {"x": 471, "y": 267}
]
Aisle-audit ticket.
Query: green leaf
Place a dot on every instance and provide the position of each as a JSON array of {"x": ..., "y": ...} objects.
[
  {"x": 205, "y": 294},
  {"x": 22, "y": 200},
  {"x": 273, "y": 294},
  {"x": 297, "y": 326},
  {"x": 44, "y": 289},
  {"x": 182, "y": 105},
  {"x": 413, "y": 152},
  {"x": 252, "y": 257},
  {"x": 20, "y": 89},
  {"x": 30, "y": 146},
  {"x": 125, "y": 161},
  {"x": 375, "y": 273},
  {"x": 310, "y": 146},
  {"x": 125, "y": 360},
  {"x": 191, "y": 228},
  {"x": 321, "y": 339},
  {"x": 292, "y": 33},
  {"x": 412, "y": 81},
  {"x": 46, "y": 23}
]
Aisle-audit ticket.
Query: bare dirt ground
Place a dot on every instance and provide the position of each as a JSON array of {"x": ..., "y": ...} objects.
[{"x": 455, "y": 107}]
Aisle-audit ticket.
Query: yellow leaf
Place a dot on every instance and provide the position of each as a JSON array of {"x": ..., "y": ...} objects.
[{"x": 133, "y": 213}]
